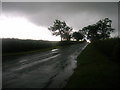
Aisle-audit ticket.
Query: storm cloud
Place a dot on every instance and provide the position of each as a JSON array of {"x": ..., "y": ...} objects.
[{"x": 76, "y": 14}]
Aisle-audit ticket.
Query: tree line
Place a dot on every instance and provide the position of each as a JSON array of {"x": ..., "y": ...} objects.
[{"x": 98, "y": 31}]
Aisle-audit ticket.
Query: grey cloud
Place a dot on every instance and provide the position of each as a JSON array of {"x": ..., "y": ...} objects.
[{"x": 76, "y": 14}]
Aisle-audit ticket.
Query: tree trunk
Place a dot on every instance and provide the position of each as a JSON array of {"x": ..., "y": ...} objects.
[{"x": 61, "y": 37}]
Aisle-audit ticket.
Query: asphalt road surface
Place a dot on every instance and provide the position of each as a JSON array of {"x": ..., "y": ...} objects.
[{"x": 50, "y": 69}]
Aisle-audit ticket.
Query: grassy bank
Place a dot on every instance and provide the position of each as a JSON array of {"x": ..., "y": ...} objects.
[
  {"x": 95, "y": 68},
  {"x": 18, "y": 46}
]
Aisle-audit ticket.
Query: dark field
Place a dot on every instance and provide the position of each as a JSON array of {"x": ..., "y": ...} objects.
[{"x": 12, "y": 46}]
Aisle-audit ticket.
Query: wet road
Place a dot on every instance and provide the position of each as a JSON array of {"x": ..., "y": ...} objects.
[{"x": 50, "y": 69}]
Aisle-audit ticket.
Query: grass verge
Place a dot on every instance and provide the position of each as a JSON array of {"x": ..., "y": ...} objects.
[
  {"x": 32, "y": 51},
  {"x": 94, "y": 70},
  {"x": 9, "y": 50}
]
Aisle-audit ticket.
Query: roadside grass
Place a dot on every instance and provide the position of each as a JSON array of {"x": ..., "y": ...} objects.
[
  {"x": 33, "y": 51},
  {"x": 110, "y": 48},
  {"x": 27, "y": 52},
  {"x": 94, "y": 70},
  {"x": 12, "y": 47}
]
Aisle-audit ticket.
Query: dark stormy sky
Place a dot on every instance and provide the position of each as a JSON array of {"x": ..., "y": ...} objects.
[{"x": 76, "y": 14}]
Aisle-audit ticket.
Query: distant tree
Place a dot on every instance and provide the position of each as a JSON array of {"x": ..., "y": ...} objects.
[
  {"x": 78, "y": 36},
  {"x": 67, "y": 33},
  {"x": 61, "y": 28},
  {"x": 91, "y": 32},
  {"x": 99, "y": 31}
]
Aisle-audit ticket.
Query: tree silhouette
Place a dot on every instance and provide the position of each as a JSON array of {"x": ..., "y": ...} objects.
[
  {"x": 104, "y": 28},
  {"x": 78, "y": 36},
  {"x": 66, "y": 34},
  {"x": 61, "y": 28},
  {"x": 99, "y": 31},
  {"x": 92, "y": 32}
]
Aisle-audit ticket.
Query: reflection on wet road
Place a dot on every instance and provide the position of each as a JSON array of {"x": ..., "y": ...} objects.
[{"x": 50, "y": 69}]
